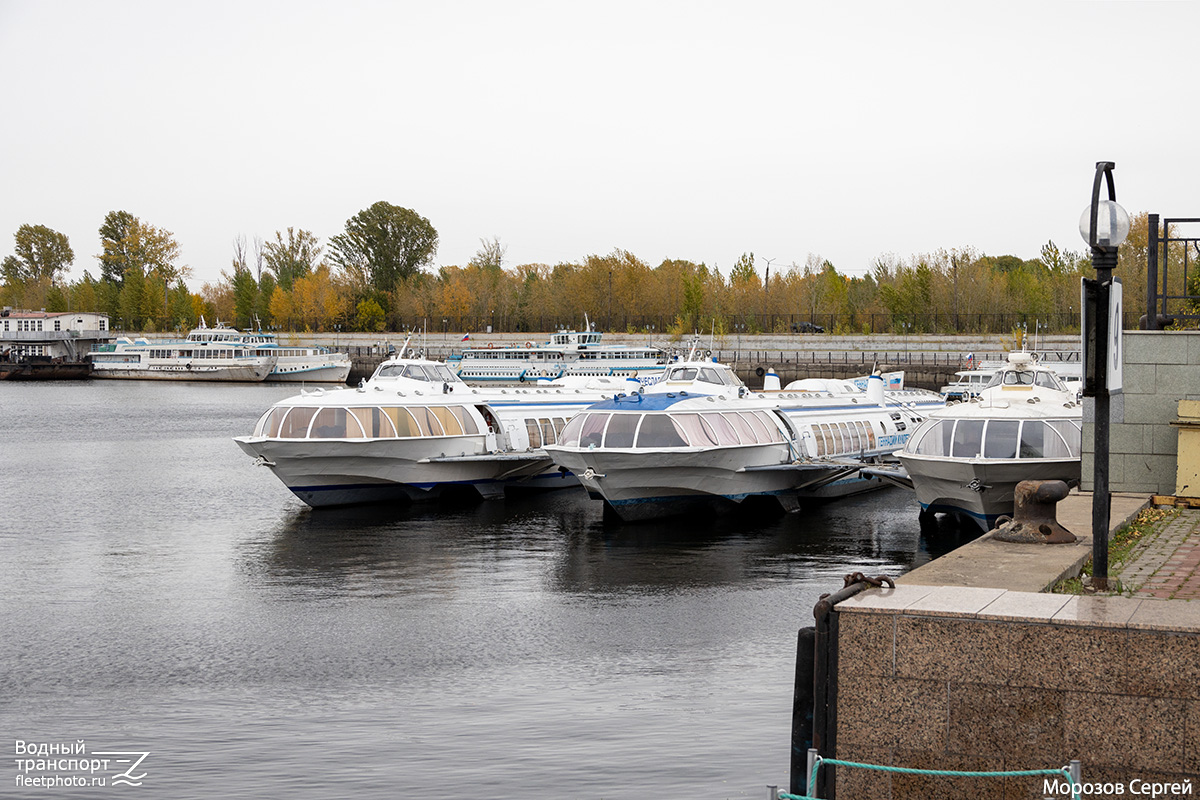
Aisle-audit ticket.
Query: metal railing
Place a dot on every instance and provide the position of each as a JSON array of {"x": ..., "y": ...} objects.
[{"x": 1164, "y": 308}]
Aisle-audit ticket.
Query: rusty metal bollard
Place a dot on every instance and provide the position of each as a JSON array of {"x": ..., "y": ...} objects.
[{"x": 1033, "y": 518}]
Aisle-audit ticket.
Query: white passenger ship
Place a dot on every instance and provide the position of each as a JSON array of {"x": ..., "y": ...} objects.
[
  {"x": 567, "y": 353},
  {"x": 292, "y": 364},
  {"x": 221, "y": 353},
  {"x": 699, "y": 440},
  {"x": 415, "y": 430},
  {"x": 967, "y": 459},
  {"x": 180, "y": 360}
]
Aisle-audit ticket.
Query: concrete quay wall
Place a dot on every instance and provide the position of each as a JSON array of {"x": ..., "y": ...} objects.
[
  {"x": 929, "y": 361},
  {"x": 1160, "y": 369},
  {"x": 971, "y": 678}
]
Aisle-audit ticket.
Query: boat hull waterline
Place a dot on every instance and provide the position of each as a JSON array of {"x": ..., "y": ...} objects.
[{"x": 983, "y": 490}]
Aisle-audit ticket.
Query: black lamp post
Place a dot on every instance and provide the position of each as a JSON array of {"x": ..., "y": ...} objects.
[{"x": 1104, "y": 226}]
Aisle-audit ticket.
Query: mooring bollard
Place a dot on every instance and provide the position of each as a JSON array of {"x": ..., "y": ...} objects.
[{"x": 1034, "y": 518}]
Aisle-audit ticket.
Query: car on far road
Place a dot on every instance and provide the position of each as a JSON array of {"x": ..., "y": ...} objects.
[{"x": 806, "y": 327}]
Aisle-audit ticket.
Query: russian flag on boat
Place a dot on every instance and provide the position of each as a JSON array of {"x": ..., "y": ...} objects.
[{"x": 465, "y": 337}]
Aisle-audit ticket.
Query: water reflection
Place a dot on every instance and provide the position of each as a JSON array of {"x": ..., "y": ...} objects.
[{"x": 563, "y": 542}]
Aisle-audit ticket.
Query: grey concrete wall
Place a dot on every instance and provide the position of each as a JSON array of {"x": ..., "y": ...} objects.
[{"x": 1161, "y": 368}]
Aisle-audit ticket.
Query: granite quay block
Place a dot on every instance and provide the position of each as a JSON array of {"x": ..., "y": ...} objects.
[
  {"x": 1113, "y": 730},
  {"x": 884, "y": 712},
  {"x": 1067, "y": 658},
  {"x": 865, "y": 782},
  {"x": 1181, "y": 617},
  {"x": 962, "y": 650},
  {"x": 1193, "y": 345},
  {"x": 1151, "y": 409},
  {"x": 1176, "y": 380},
  {"x": 954, "y": 601},
  {"x": 1138, "y": 378},
  {"x": 1146, "y": 653},
  {"x": 1157, "y": 347},
  {"x": 951, "y": 787},
  {"x": 1100, "y": 611},
  {"x": 1191, "y": 750},
  {"x": 1143, "y": 473},
  {"x": 868, "y": 640},
  {"x": 1127, "y": 438},
  {"x": 1163, "y": 440},
  {"x": 1004, "y": 720},
  {"x": 1024, "y": 607},
  {"x": 884, "y": 599}
]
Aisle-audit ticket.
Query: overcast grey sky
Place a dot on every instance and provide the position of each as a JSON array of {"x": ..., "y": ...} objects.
[{"x": 689, "y": 130}]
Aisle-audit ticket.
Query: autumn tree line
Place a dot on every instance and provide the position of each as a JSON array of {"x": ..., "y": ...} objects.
[{"x": 379, "y": 275}]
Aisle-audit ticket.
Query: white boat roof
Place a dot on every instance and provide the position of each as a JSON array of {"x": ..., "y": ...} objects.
[{"x": 1017, "y": 392}]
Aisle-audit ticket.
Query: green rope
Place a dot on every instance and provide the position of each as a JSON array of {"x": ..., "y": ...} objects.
[{"x": 949, "y": 773}]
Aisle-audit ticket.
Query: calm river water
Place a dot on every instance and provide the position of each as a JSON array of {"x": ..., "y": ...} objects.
[{"x": 160, "y": 594}]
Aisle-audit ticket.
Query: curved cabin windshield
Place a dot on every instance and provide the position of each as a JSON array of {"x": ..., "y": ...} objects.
[
  {"x": 369, "y": 422},
  {"x": 418, "y": 372},
  {"x": 1014, "y": 377},
  {"x": 655, "y": 430},
  {"x": 998, "y": 438}
]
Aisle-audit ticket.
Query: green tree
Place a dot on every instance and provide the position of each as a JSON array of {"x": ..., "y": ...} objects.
[
  {"x": 490, "y": 255},
  {"x": 743, "y": 272},
  {"x": 369, "y": 316},
  {"x": 147, "y": 260},
  {"x": 292, "y": 258},
  {"x": 262, "y": 304},
  {"x": 40, "y": 253},
  {"x": 383, "y": 245},
  {"x": 113, "y": 240},
  {"x": 245, "y": 297}
]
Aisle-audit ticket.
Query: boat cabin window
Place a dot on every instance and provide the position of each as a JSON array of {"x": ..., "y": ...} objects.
[
  {"x": 621, "y": 430},
  {"x": 402, "y": 421},
  {"x": 1001, "y": 438},
  {"x": 968, "y": 438},
  {"x": 534, "y": 433},
  {"x": 268, "y": 424},
  {"x": 365, "y": 422},
  {"x": 449, "y": 422},
  {"x": 726, "y": 435},
  {"x": 569, "y": 437},
  {"x": 1000, "y": 441},
  {"x": 1011, "y": 377},
  {"x": 744, "y": 430},
  {"x": 295, "y": 424},
  {"x": 376, "y": 424},
  {"x": 1048, "y": 381},
  {"x": 592, "y": 432},
  {"x": 711, "y": 375},
  {"x": 464, "y": 420},
  {"x": 335, "y": 423},
  {"x": 697, "y": 431},
  {"x": 683, "y": 374},
  {"x": 1051, "y": 439},
  {"x": 659, "y": 430},
  {"x": 427, "y": 421}
]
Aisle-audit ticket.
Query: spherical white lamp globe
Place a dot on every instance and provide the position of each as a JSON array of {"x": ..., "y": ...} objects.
[{"x": 1112, "y": 224}]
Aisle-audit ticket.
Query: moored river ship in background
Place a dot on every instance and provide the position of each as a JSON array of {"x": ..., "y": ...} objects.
[{"x": 567, "y": 353}]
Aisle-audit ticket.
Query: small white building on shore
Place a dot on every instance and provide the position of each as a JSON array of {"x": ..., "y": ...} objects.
[{"x": 68, "y": 335}]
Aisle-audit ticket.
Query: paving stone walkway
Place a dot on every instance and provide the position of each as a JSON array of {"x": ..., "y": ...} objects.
[{"x": 1167, "y": 566}]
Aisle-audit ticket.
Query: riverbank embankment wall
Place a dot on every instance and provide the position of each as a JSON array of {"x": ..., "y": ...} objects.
[
  {"x": 968, "y": 666},
  {"x": 929, "y": 361},
  {"x": 1160, "y": 369},
  {"x": 984, "y": 679}
]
